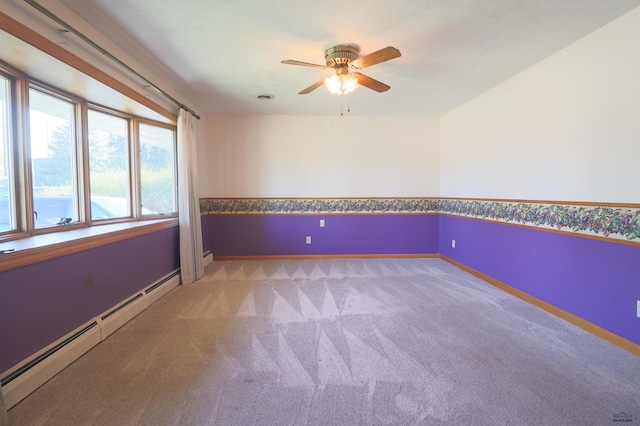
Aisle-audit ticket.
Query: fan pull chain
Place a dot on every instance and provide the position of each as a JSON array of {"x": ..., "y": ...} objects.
[{"x": 348, "y": 107}]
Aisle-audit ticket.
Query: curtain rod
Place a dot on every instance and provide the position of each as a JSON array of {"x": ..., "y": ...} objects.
[{"x": 77, "y": 33}]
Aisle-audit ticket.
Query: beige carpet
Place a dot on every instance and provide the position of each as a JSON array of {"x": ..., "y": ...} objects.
[{"x": 341, "y": 342}]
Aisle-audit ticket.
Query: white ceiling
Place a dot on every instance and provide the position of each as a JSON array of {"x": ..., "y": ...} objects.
[{"x": 219, "y": 54}]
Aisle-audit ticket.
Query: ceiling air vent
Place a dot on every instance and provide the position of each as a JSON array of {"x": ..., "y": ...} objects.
[{"x": 265, "y": 97}]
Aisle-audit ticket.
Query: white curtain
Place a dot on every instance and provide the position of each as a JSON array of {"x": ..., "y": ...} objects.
[{"x": 191, "y": 267}]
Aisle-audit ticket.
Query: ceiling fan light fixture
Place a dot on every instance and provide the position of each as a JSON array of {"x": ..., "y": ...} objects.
[
  {"x": 341, "y": 84},
  {"x": 346, "y": 64}
]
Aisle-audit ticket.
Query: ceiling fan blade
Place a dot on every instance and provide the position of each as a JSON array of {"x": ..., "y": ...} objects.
[
  {"x": 371, "y": 83},
  {"x": 304, "y": 64},
  {"x": 311, "y": 88},
  {"x": 381, "y": 55}
]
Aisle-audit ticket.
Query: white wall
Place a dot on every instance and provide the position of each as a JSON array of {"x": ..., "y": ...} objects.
[
  {"x": 321, "y": 156},
  {"x": 200, "y": 130},
  {"x": 568, "y": 128}
]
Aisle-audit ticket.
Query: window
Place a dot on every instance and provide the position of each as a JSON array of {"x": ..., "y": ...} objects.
[
  {"x": 52, "y": 144},
  {"x": 158, "y": 188},
  {"x": 7, "y": 202},
  {"x": 108, "y": 144},
  {"x": 78, "y": 164}
]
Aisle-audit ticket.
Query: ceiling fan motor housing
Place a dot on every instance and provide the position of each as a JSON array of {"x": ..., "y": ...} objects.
[{"x": 340, "y": 56}]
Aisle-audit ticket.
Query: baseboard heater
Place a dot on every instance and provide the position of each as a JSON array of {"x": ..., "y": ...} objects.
[
  {"x": 22, "y": 379},
  {"x": 207, "y": 258}
]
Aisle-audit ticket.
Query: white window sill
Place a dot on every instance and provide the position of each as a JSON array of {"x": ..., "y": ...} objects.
[{"x": 27, "y": 251}]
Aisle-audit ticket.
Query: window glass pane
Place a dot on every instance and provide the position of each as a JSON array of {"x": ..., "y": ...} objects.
[
  {"x": 108, "y": 166},
  {"x": 157, "y": 169},
  {"x": 7, "y": 209},
  {"x": 52, "y": 159}
]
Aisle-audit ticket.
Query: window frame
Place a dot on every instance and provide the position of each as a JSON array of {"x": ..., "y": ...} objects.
[
  {"x": 138, "y": 121},
  {"x": 78, "y": 156},
  {"x": 9, "y": 157},
  {"x": 130, "y": 165},
  {"x": 21, "y": 185},
  {"x": 16, "y": 152}
]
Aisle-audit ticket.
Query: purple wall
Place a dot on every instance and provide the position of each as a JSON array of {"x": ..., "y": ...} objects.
[
  {"x": 42, "y": 302},
  {"x": 263, "y": 235},
  {"x": 596, "y": 280},
  {"x": 206, "y": 232}
]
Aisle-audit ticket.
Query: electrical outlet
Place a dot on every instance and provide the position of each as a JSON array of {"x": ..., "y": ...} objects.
[
  {"x": 321, "y": 223},
  {"x": 638, "y": 309},
  {"x": 453, "y": 243},
  {"x": 308, "y": 240}
]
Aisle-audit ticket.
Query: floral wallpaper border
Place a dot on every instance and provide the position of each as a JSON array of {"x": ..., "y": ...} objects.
[
  {"x": 317, "y": 205},
  {"x": 620, "y": 223},
  {"x": 605, "y": 221}
]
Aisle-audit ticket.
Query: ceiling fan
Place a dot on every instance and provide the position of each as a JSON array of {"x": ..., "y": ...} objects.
[{"x": 344, "y": 60}]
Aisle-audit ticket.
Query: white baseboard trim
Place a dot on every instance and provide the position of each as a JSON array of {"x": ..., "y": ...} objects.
[
  {"x": 121, "y": 314},
  {"x": 208, "y": 258},
  {"x": 27, "y": 376},
  {"x": 39, "y": 368},
  {"x": 4, "y": 416},
  {"x": 157, "y": 290}
]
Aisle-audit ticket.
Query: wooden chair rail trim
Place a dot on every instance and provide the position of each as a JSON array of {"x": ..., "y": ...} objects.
[{"x": 92, "y": 237}]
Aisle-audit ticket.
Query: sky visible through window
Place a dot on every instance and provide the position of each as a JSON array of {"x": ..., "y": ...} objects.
[{"x": 47, "y": 115}]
